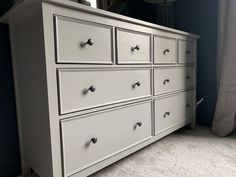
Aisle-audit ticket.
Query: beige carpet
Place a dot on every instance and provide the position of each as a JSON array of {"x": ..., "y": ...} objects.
[{"x": 184, "y": 153}]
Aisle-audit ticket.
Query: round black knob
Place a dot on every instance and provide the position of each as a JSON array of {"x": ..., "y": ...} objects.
[
  {"x": 92, "y": 88},
  {"x": 94, "y": 140},
  {"x": 166, "y": 81},
  {"x": 188, "y": 77},
  {"x": 137, "y": 47},
  {"x": 166, "y": 51},
  {"x": 136, "y": 84},
  {"x": 188, "y": 105},
  {"x": 188, "y": 52},
  {"x": 89, "y": 42},
  {"x": 139, "y": 124},
  {"x": 166, "y": 114}
]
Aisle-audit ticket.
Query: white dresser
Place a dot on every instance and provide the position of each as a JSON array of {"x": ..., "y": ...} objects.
[{"x": 93, "y": 87}]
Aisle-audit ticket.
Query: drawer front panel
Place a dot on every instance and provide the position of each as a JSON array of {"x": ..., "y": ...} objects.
[
  {"x": 186, "y": 51},
  {"x": 173, "y": 79},
  {"x": 90, "y": 139},
  {"x": 85, "y": 89},
  {"x": 164, "y": 50},
  {"x": 133, "y": 47},
  {"x": 173, "y": 110},
  {"x": 83, "y": 42}
]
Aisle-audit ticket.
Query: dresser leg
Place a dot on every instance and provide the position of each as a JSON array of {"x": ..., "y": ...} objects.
[
  {"x": 193, "y": 125},
  {"x": 26, "y": 171}
]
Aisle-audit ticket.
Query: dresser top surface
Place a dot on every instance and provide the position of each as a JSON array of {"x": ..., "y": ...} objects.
[{"x": 99, "y": 12}]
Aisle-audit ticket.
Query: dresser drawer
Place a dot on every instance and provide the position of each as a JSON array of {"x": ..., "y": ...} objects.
[
  {"x": 133, "y": 47},
  {"x": 83, "y": 42},
  {"x": 172, "y": 79},
  {"x": 173, "y": 110},
  {"x": 90, "y": 139},
  {"x": 83, "y": 89},
  {"x": 186, "y": 51},
  {"x": 164, "y": 50}
]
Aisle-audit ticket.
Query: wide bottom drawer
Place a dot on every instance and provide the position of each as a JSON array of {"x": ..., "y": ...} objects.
[
  {"x": 90, "y": 139},
  {"x": 173, "y": 110}
]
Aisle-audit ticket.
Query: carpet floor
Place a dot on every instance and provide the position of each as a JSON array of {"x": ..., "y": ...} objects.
[{"x": 185, "y": 153}]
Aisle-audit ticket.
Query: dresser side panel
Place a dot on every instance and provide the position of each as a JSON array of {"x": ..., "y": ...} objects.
[
  {"x": 29, "y": 67},
  {"x": 52, "y": 89}
]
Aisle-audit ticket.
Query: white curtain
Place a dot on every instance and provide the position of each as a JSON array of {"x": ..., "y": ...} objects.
[{"x": 224, "y": 119}]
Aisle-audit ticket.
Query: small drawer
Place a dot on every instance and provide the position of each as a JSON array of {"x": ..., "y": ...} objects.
[
  {"x": 186, "y": 51},
  {"x": 90, "y": 139},
  {"x": 173, "y": 110},
  {"x": 133, "y": 47},
  {"x": 83, "y": 89},
  {"x": 164, "y": 50},
  {"x": 83, "y": 42},
  {"x": 173, "y": 79}
]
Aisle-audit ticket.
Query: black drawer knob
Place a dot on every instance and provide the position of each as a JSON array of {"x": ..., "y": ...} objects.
[
  {"x": 188, "y": 105},
  {"x": 94, "y": 140},
  {"x": 188, "y": 77},
  {"x": 166, "y": 51},
  {"x": 89, "y": 42},
  {"x": 138, "y": 84},
  {"x": 188, "y": 52},
  {"x": 166, "y": 114},
  {"x": 166, "y": 81},
  {"x": 139, "y": 124},
  {"x": 92, "y": 88},
  {"x": 137, "y": 47}
]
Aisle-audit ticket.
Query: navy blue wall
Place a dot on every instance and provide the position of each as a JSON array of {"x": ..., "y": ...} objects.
[
  {"x": 200, "y": 17},
  {"x": 139, "y": 10},
  {"x": 9, "y": 147}
]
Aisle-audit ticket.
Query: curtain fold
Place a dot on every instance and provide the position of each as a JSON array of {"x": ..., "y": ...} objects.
[{"x": 224, "y": 119}]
